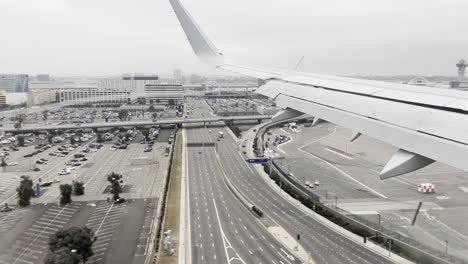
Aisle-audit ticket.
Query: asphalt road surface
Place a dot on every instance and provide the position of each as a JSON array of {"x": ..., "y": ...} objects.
[
  {"x": 223, "y": 230},
  {"x": 350, "y": 172},
  {"x": 324, "y": 245}
]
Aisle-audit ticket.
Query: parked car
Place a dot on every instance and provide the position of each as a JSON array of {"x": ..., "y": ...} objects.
[
  {"x": 119, "y": 200},
  {"x": 7, "y": 208}
]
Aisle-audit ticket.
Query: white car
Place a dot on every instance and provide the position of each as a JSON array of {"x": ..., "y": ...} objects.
[
  {"x": 113, "y": 149},
  {"x": 64, "y": 172},
  {"x": 13, "y": 163}
]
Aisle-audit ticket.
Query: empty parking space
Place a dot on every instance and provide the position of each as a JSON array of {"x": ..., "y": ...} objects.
[
  {"x": 9, "y": 219},
  {"x": 31, "y": 246},
  {"x": 104, "y": 222}
]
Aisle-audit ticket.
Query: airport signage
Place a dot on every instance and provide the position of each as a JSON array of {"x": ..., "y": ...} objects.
[{"x": 258, "y": 160}]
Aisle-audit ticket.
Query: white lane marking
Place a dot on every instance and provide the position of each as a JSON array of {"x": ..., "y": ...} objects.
[
  {"x": 318, "y": 139},
  {"x": 337, "y": 153},
  {"x": 344, "y": 173},
  {"x": 224, "y": 238}
]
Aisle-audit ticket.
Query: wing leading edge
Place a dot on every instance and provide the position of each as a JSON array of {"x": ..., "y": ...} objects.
[{"x": 426, "y": 124}]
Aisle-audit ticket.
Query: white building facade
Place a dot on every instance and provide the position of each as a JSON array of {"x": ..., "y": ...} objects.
[{"x": 164, "y": 94}]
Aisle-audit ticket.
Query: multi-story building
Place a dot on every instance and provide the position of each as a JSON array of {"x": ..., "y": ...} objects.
[
  {"x": 164, "y": 94},
  {"x": 2, "y": 98},
  {"x": 14, "y": 83},
  {"x": 42, "y": 96},
  {"x": 95, "y": 96}
]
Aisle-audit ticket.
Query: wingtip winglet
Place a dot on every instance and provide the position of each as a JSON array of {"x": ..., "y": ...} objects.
[{"x": 201, "y": 44}]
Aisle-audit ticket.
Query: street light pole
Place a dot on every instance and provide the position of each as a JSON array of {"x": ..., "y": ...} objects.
[{"x": 446, "y": 247}]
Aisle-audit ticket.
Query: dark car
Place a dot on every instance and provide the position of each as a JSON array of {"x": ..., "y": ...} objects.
[
  {"x": 7, "y": 208},
  {"x": 75, "y": 164},
  {"x": 28, "y": 155},
  {"x": 46, "y": 184},
  {"x": 124, "y": 146},
  {"x": 119, "y": 200},
  {"x": 40, "y": 162}
]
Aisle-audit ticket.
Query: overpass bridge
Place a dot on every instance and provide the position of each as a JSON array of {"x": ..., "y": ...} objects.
[{"x": 179, "y": 121}]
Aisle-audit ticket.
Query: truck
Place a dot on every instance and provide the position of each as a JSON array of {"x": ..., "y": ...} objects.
[{"x": 221, "y": 134}]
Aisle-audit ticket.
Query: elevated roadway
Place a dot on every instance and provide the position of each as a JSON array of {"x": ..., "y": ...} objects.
[{"x": 138, "y": 123}]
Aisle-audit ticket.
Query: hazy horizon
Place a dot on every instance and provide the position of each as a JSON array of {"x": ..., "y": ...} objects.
[{"x": 358, "y": 37}]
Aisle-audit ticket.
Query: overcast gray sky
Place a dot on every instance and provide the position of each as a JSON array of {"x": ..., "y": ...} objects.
[{"x": 345, "y": 37}]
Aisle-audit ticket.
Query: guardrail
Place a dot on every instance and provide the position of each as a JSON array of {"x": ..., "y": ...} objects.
[{"x": 400, "y": 244}]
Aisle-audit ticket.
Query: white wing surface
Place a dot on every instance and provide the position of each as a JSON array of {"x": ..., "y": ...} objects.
[{"x": 425, "y": 123}]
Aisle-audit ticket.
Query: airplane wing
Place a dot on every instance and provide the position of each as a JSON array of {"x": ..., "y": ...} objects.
[{"x": 427, "y": 124}]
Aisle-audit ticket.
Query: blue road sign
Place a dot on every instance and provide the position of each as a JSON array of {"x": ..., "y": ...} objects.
[{"x": 258, "y": 160}]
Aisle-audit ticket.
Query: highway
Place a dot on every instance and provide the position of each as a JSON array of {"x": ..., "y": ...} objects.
[
  {"x": 222, "y": 229},
  {"x": 324, "y": 245},
  {"x": 137, "y": 123}
]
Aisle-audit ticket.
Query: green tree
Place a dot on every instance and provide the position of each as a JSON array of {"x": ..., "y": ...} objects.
[
  {"x": 145, "y": 133},
  {"x": 236, "y": 131},
  {"x": 3, "y": 161},
  {"x": 71, "y": 245},
  {"x": 99, "y": 138},
  {"x": 116, "y": 188},
  {"x": 20, "y": 120},
  {"x": 171, "y": 102},
  {"x": 152, "y": 109},
  {"x": 50, "y": 138},
  {"x": 45, "y": 115},
  {"x": 25, "y": 192},
  {"x": 78, "y": 188},
  {"x": 66, "y": 192},
  {"x": 20, "y": 140},
  {"x": 72, "y": 140},
  {"x": 62, "y": 255},
  {"x": 123, "y": 114}
]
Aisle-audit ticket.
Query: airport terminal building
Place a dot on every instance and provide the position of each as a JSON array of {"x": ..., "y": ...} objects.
[{"x": 164, "y": 94}]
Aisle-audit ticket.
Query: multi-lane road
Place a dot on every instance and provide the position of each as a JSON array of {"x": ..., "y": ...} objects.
[
  {"x": 222, "y": 229},
  {"x": 322, "y": 243}
]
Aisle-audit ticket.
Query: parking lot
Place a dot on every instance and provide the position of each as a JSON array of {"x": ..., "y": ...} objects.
[
  {"x": 31, "y": 246},
  {"x": 121, "y": 230}
]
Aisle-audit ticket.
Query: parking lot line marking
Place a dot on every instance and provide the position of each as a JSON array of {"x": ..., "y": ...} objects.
[
  {"x": 46, "y": 227},
  {"x": 40, "y": 231},
  {"x": 99, "y": 228},
  {"x": 34, "y": 234},
  {"x": 33, "y": 241}
]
